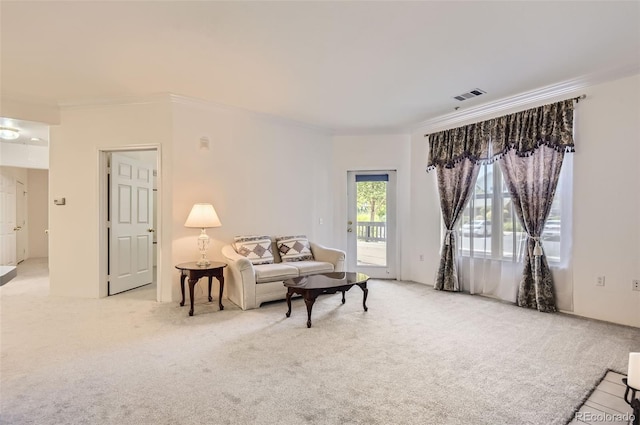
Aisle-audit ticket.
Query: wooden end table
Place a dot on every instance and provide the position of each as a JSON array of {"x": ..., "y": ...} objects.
[
  {"x": 311, "y": 286},
  {"x": 195, "y": 272}
]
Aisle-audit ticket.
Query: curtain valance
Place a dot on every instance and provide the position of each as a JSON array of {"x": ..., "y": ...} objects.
[
  {"x": 447, "y": 148},
  {"x": 550, "y": 125}
]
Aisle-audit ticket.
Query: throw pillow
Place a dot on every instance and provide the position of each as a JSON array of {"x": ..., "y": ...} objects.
[
  {"x": 294, "y": 248},
  {"x": 257, "y": 249}
]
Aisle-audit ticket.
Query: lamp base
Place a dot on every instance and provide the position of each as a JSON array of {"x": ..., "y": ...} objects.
[
  {"x": 203, "y": 263},
  {"x": 203, "y": 244}
]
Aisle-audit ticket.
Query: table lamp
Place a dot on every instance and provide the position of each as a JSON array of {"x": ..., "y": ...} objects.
[
  {"x": 203, "y": 216},
  {"x": 632, "y": 381}
]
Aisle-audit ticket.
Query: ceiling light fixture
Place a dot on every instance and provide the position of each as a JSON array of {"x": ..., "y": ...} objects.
[{"x": 9, "y": 133}]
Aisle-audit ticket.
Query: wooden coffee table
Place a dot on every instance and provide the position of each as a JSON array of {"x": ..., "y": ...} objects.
[{"x": 324, "y": 283}]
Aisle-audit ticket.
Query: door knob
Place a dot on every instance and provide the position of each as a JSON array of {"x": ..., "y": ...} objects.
[
  {"x": 349, "y": 222},
  {"x": 17, "y": 228},
  {"x": 349, "y": 230},
  {"x": 150, "y": 230}
]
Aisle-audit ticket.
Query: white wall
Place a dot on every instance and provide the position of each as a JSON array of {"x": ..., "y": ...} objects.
[
  {"x": 424, "y": 215},
  {"x": 74, "y": 174},
  {"x": 24, "y": 155},
  {"x": 373, "y": 152},
  {"x": 262, "y": 175},
  {"x": 606, "y": 203},
  {"x": 38, "y": 212}
]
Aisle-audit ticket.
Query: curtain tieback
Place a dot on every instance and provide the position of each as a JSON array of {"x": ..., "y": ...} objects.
[
  {"x": 448, "y": 237},
  {"x": 537, "y": 250}
]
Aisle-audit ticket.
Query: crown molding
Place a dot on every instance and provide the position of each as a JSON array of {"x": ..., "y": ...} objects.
[{"x": 529, "y": 99}]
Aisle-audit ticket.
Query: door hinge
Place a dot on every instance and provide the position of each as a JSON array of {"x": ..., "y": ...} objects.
[{"x": 108, "y": 225}]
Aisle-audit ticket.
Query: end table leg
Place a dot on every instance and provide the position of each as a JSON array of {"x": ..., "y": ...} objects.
[
  {"x": 221, "y": 280},
  {"x": 309, "y": 302},
  {"x": 342, "y": 297},
  {"x": 182, "y": 277},
  {"x": 364, "y": 296},
  {"x": 192, "y": 284},
  {"x": 288, "y": 313},
  {"x": 210, "y": 279}
]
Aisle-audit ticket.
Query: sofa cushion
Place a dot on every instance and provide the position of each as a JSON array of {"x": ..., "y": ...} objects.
[
  {"x": 274, "y": 272},
  {"x": 257, "y": 249},
  {"x": 294, "y": 248},
  {"x": 312, "y": 267}
]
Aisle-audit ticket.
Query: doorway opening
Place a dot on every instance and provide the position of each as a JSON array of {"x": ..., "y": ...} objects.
[
  {"x": 130, "y": 220},
  {"x": 24, "y": 186},
  {"x": 371, "y": 223}
]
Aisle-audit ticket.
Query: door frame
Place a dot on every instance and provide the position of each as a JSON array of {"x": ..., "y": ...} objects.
[
  {"x": 102, "y": 214},
  {"x": 21, "y": 205},
  {"x": 8, "y": 249},
  {"x": 393, "y": 258}
]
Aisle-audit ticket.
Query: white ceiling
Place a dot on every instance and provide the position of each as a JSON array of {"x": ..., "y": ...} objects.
[{"x": 344, "y": 66}]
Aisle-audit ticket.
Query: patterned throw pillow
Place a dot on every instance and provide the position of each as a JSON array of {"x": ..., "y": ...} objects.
[
  {"x": 257, "y": 249},
  {"x": 294, "y": 248}
]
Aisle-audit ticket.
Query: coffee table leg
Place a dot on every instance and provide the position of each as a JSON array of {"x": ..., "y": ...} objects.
[
  {"x": 288, "y": 313},
  {"x": 342, "y": 297},
  {"x": 309, "y": 302},
  {"x": 365, "y": 291}
]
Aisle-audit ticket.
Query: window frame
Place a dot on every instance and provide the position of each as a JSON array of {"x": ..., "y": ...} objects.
[{"x": 498, "y": 197}]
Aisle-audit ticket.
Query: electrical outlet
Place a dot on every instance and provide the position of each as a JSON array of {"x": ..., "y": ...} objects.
[
  {"x": 636, "y": 285},
  {"x": 600, "y": 281}
]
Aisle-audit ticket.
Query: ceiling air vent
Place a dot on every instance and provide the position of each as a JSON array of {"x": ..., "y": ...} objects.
[{"x": 470, "y": 94}]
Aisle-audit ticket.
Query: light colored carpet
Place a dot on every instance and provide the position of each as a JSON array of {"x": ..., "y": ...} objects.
[{"x": 418, "y": 356}]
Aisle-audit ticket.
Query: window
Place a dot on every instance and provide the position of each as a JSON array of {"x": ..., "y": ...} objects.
[{"x": 490, "y": 229}]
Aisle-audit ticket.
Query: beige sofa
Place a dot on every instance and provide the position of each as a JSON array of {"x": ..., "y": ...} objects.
[{"x": 250, "y": 285}]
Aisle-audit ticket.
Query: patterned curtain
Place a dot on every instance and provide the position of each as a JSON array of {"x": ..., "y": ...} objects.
[
  {"x": 532, "y": 145},
  {"x": 455, "y": 154}
]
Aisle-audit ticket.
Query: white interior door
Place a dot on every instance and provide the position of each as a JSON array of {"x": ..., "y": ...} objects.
[
  {"x": 7, "y": 221},
  {"x": 131, "y": 224},
  {"x": 371, "y": 223},
  {"x": 21, "y": 222}
]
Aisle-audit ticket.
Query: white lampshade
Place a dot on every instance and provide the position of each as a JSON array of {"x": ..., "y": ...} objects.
[
  {"x": 633, "y": 377},
  {"x": 203, "y": 216}
]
